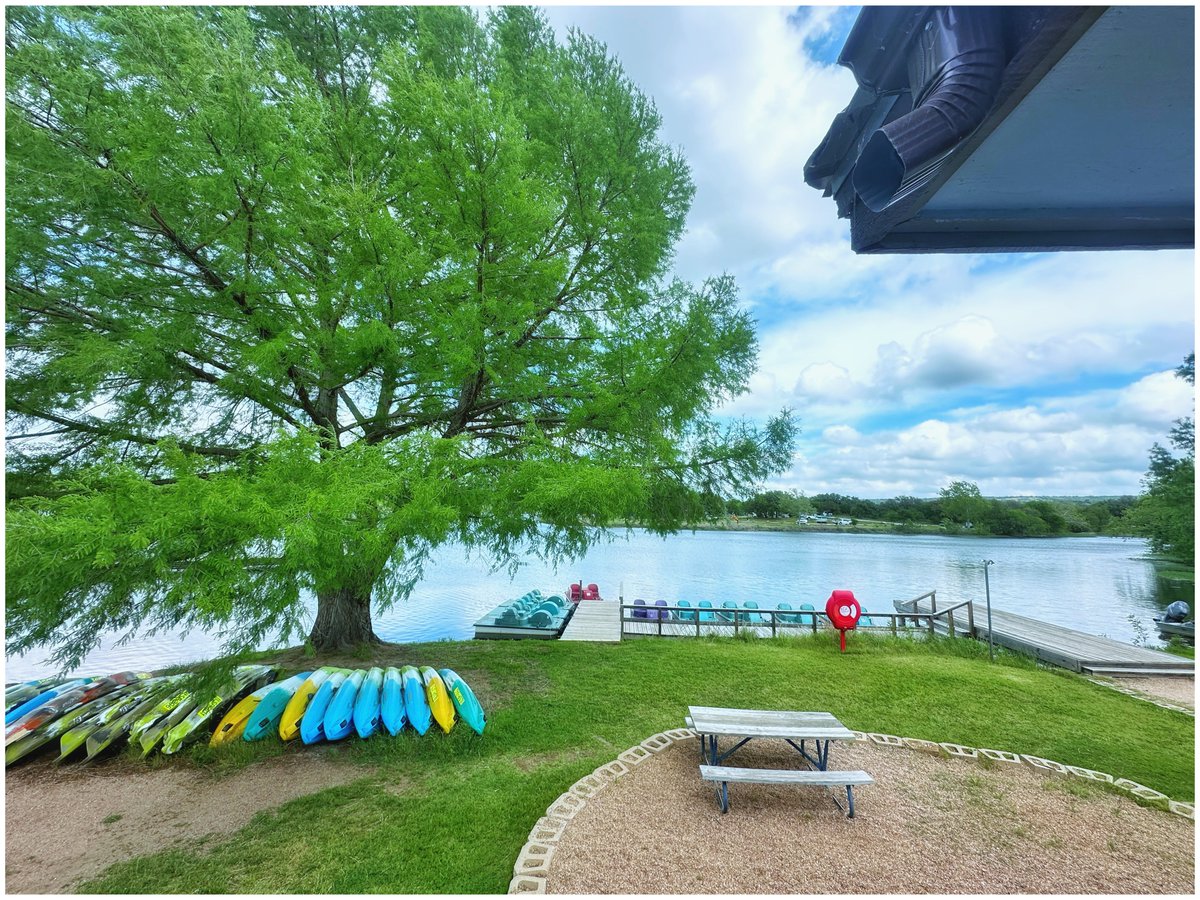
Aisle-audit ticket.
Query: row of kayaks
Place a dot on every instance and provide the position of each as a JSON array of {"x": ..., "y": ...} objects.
[
  {"x": 729, "y": 611},
  {"x": 330, "y": 704},
  {"x": 87, "y": 716}
]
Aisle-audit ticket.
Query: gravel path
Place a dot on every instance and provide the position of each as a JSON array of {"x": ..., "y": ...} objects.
[
  {"x": 928, "y": 825},
  {"x": 62, "y": 825}
]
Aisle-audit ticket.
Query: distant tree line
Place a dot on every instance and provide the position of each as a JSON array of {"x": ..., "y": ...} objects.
[{"x": 959, "y": 508}]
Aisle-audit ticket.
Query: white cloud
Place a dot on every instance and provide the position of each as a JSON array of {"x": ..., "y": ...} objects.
[{"x": 971, "y": 341}]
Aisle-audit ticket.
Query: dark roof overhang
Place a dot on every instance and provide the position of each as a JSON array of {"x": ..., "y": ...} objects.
[{"x": 934, "y": 84}]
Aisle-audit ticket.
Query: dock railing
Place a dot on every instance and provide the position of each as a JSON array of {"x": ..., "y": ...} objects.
[
  {"x": 691, "y": 621},
  {"x": 934, "y": 613}
]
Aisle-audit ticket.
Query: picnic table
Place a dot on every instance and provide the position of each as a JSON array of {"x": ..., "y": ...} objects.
[{"x": 712, "y": 723}]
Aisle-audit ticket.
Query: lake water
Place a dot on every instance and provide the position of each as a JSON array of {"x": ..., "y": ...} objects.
[{"x": 1090, "y": 584}]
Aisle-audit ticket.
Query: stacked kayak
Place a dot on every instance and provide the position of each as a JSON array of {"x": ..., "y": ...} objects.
[
  {"x": 332, "y": 704},
  {"x": 85, "y": 717}
]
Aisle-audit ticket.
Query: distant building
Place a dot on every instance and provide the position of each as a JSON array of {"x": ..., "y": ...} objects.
[{"x": 1017, "y": 128}]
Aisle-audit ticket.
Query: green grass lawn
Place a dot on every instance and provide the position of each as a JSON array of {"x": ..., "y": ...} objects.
[{"x": 449, "y": 813}]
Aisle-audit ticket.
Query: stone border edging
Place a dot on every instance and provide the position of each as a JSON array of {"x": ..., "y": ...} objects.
[
  {"x": 533, "y": 862},
  {"x": 1139, "y": 695}
]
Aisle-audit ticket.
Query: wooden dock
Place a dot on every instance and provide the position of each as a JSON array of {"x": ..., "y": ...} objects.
[
  {"x": 594, "y": 620},
  {"x": 1066, "y": 647}
]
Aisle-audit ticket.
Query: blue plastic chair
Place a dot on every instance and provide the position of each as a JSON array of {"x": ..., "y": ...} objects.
[
  {"x": 786, "y": 617},
  {"x": 728, "y": 617},
  {"x": 685, "y": 616},
  {"x": 706, "y": 616},
  {"x": 640, "y": 613},
  {"x": 663, "y": 614},
  {"x": 754, "y": 617},
  {"x": 807, "y": 620}
]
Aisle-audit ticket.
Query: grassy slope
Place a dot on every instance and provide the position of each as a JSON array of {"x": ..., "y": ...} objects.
[{"x": 449, "y": 813}]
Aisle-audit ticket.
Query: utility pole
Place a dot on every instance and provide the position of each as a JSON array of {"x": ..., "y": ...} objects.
[{"x": 987, "y": 588}]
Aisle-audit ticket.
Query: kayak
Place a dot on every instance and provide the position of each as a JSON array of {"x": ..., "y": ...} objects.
[
  {"x": 234, "y": 722},
  {"x": 74, "y": 738},
  {"x": 244, "y": 678},
  {"x": 416, "y": 707},
  {"x": 155, "y": 715},
  {"x": 65, "y": 701},
  {"x": 117, "y": 730},
  {"x": 29, "y": 743},
  {"x": 440, "y": 703},
  {"x": 464, "y": 700},
  {"x": 152, "y": 736},
  {"x": 289, "y": 722},
  {"x": 339, "y": 717},
  {"x": 312, "y": 724},
  {"x": 391, "y": 702},
  {"x": 26, "y": 690},
  {"x": 269, "y": 711},
  {"x": 44, "y": 697},
  {"x": 366, "y": 704}
]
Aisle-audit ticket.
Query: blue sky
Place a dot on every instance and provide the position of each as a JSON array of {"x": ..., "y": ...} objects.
[{"x": 1025, "y": 373}]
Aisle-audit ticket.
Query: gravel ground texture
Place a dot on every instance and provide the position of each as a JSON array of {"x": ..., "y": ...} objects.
[
  {"x": 928, "y": 825},
  {"x": 1175, "y": 690},
  {"x": 62, "y": 825}
]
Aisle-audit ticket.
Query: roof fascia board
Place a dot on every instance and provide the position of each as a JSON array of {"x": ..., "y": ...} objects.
[
  {"x": 1022, "y": 74},
  {"x": 1033, "y": 242}
]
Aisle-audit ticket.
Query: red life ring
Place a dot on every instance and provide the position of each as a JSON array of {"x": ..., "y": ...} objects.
[{"x": 843, "y": 611}]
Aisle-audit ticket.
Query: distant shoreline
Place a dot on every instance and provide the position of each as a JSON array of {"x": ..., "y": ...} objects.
[{"x": 784, "y": 527}]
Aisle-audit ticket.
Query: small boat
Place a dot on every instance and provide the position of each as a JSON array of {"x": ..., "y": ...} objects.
[
  {"x": 366, "y": 704},
  {"x": 312, "y": 723},
  {"x": 391, "y": 702},
  {"x": 1174, "y": 622},
  {"x": 339, "y": 717},
  {"x": 441, "y": 707},
  {"x": 468, "y": 708},
  {"x": 416, "y": 707},
  {"x": 1186, "y": 630},
  {"x": 267, "y": 715}
]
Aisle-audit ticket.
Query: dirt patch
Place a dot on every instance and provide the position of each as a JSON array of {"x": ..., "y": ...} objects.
[
  {"x": 65, "y": 825},
  {"x": 1174, "y": 690},
  {"x": 927, "y": 825}
]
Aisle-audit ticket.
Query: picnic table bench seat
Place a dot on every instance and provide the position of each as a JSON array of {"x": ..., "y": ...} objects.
[{"x": 849, "y": 779}]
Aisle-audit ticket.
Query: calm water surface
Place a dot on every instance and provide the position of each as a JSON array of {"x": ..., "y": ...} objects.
[{"x": 1091, "y": 584}]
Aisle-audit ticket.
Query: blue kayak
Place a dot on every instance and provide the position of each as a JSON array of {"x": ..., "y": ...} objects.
[
  {"x": 366, "y": 704},
  {"x": 391, "y": 703},
  {"x": 469, "y": 709},
  {"x": 339, "y": 718},
  {"x": 416, "y": 707},
  {"x": 44, "y": 697},
  {"x": 312, "y": 725},
  {"x": 268, "y": 712}
]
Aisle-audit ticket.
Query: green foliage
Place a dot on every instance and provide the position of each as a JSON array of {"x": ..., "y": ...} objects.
[
  {"x": 296, "y": 293},
  {"x": 557, "y": 711},
  {"x": 1166, "y": 512}
]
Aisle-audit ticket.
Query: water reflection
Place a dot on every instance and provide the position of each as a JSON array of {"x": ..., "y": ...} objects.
[{"x": 1091, "y": 584}]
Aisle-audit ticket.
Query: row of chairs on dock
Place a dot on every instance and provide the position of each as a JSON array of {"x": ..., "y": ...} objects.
[{"x": 748, "y": 612}]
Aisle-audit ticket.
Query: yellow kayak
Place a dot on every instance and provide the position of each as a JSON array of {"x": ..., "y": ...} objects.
[
  {"x": 235, "y": 721},
  {"x": 289, "y": 725},
  {"x": 440, "y": 703}
]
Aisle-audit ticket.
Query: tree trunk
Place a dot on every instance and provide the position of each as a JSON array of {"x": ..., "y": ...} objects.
[{"x": 343, "y": 621}]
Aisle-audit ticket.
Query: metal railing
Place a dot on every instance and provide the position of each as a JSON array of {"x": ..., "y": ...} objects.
[
  {"x": 692, "y": 621},
  {"x": 947, "y": 613}
]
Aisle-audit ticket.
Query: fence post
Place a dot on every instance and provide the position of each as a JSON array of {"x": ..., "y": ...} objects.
[
  {"x": 894, "y": 632},
  {"x": 971, "y": 617},
  {"x": 737, "y": 618},
  {"x": 772, "y": 623},
  {"x": 932, "y": 633},
  {"x": 933, "y": 601},
  {"x": 950, "y": 622}
]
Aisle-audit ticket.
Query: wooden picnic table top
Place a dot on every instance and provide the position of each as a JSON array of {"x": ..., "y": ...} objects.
[{"x": 762, "y": 723}]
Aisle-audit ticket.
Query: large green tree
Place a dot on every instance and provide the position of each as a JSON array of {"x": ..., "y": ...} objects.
[
  {"x": 296, "y": 294},
  {"x": 1166, "y": 512}
]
